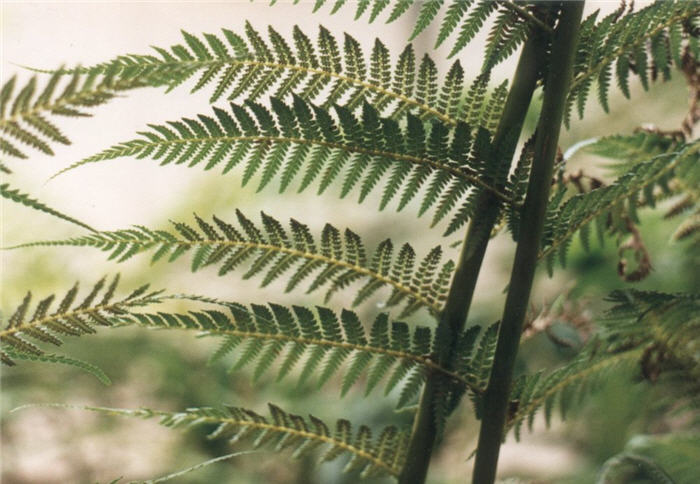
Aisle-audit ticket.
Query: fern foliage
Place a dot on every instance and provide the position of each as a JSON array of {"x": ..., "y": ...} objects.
[
  {"x": 649, "y": 331},
  {"x": 70, "y": 318},
  {"x": 445, "y": 161},
  {"x": 17, "y": 196},
  {"x": 251, "y": 66},
  {"x": 371, "y": 456},
  {"x": 319, "y": 342},
  {"x": 25, "y": 110},
  {"x": 612, "y": 207},
  {"x": 335, "y": 260},
  {"x": 646, "y": 43},
  {"x": 467, "y": 17},
  {"x": 666, "y": 459}
]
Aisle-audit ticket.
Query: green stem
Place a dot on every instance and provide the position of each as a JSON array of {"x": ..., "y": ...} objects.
[
  {"x": 496, "y": 398},
  {"x": 454, "y": 315}
]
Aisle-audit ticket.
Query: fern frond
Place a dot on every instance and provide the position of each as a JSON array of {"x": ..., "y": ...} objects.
[
  {"x": 23, "y": 114},
  {"x": 373, "y": 457},
  {"x": 24, "y": 199},
  {"x": 641, "y": 43},
  {"x": 611, "y": 201},
  {"x": 252, "y": 66},
  {"x": 460, "y": 13},
  {"x": 641, "y": 324},
  {"x": 319, "y": 342},
  {"x": 335, "y": 260},
  {"x": 365, "y": 149},
  {"x": 669, "y": 458},
  {"x": 9, "y": 357},
  {"x": 561, "y": 387},
  {"x": 69, "y": 319}
]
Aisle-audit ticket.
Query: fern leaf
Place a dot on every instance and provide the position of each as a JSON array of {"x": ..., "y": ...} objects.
[
  {"x": 69, "y": 319},
  {"x": 320, "y": 341},
  {"x": 565, "y": 220},
  {"x": 285, "y": 431},
  {"x": 251, "y": 67},
  {"x": 24, "y": 199},
  {"x": 636, "y": 42},
  {"x": 9, "y": 357},
  {"x": 23, "y": 115},
  {"x": 335, "y": 261},
  {"x": 268, "y": 141}
]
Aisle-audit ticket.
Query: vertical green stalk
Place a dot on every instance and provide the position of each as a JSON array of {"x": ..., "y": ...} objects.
[
  {"x": 496, "y": 397},
  {"x": 454, "y": 315}
]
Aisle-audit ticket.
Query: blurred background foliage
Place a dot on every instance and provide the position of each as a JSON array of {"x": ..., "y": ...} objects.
[{"x": 169, "y": 371}]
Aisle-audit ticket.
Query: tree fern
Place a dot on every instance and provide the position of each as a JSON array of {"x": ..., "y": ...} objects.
[
  {"x": 23, "y": 112},
  {"x": 610, "y": 202},
  {"x": 319, "y": 342},
  {"x": 468, "y": 15},
  {"x": 366, "y": 149},
  {"x": 336, "y": 261},
  {"x": 373, "y": 457},
  {"x": 253, "y": 67},
  {"x": 639, "y": 324},
  {"x": 642, "y": 43},
  {"x": 69, "y": 319}
]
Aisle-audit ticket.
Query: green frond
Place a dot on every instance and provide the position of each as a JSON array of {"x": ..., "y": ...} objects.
[
  {"x": 612, "y": 203},
  {"x": 563, "y": 386},
  {"x": 23, "y": 111},
  {"x": 468, "y": 15},
  {"x": 643, "y": 43},
  {"x": 282, "y": 431},
  {"x": 362, "y": 149},
  {"x": 666, "y": 321},
  {"x": 20, "y": 333},
  {"x": 251, "y": 66},
  {"x": 9, "y": 357},
  {"x": 24, "y": 199},
  {"x": 670, "y": 458},
  {"x": 319, "y": 342},
  {"x": 335, "y": 260},
  {"x": 636, "y": 331}
]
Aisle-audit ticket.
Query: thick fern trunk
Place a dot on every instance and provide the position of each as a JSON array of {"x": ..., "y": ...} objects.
[
  {"x": 496, "y": 398},
  {"x": 453, "y": 318}
]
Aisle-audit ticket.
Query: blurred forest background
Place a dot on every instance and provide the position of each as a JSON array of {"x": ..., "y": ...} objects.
[{"x": 169, "y": 372}]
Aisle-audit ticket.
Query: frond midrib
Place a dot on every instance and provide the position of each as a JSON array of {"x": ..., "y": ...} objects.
[
  {"x": 197, "y": 64},
  {"x": 535, "y": 403},
  {"x": 422, "y": 360},
  {"x": 605, "y": 61},
  {"x": 632, "y": 189},
  {"x": 10, "y": 331},
  {"x": 434, "y": 306},
  {"x": 265, "y": 426},
  {"x": 460, "y": 172},
  {"x": 58, "y": 103}
]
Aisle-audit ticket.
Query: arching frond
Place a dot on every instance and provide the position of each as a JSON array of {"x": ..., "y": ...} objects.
[
  {"x": 612, "y": 205},
  {"x": 644, "y": 43},
  {"x": 251, "y": 66},
  {"x": 69, "y": 319},
  {"x": 649, "y": 330},
  {"x": 24, "y": 110},
  {"x": 319, "y": 342},
  {"x": 10, "y": 355},
  {"x": 303, "y": 137},
  {"x": 335, "y": 260},
  {"x": 468, "y": 15},
  {"x": 380, "y": 456},
  {"x": 563, "y": 387},
  {"x": 24, "y": 199}
]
